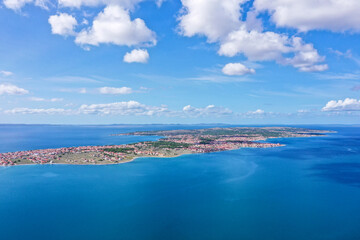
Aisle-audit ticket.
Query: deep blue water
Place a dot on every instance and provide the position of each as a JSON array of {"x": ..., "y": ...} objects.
[{"x": 309, "y": 189}]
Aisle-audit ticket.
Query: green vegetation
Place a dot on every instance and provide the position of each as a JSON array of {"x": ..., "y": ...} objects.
[
  {"x": 119, "y": 150},
  {"x": 206, "y": 140},
  {"x": 168, "y": 144}
]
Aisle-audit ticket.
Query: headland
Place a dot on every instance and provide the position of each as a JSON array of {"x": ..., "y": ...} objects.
[{"x": 173, "y": 143}]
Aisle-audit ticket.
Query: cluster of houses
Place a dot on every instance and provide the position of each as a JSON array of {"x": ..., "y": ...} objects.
[
  {"x": 50, "y": 155},
  {"x": 223, "y": 146},
  {"x": 196, "y": 145},
  {"x": 221, "y": 143}
]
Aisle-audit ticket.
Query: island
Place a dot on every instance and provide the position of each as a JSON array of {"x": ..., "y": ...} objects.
[{"x": 171, "y": 144}]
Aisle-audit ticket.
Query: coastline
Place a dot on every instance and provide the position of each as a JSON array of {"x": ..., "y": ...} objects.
[
  {"x": 131, "y": 160},
  {"x": 170, "y": 147}
]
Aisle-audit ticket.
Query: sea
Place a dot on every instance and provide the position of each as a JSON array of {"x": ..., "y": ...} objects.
[{"x": 306, "y": 190}]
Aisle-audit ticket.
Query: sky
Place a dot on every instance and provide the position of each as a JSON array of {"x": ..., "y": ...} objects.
[{"x": 180, "y": 61}]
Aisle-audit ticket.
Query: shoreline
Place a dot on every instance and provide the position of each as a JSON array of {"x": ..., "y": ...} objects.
[
  {"x": 133, "y": 159},
  {"x": 171, "y": 145}
]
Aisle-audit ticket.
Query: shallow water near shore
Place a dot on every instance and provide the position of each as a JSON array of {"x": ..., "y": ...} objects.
[{"x": 309, "y": 189}]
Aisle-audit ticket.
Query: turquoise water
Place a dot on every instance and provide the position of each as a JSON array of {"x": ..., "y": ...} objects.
[{"x": 309, "y": 189}]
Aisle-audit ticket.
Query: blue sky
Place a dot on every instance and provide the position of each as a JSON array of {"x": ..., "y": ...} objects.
[{"x": 172, "y": 61}]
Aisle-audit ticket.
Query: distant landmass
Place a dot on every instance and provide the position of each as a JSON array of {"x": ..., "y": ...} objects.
[{"x": 174, "y": 143}]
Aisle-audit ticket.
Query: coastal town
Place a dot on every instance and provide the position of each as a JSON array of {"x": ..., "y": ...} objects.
[{"x": 173, "y": 143}]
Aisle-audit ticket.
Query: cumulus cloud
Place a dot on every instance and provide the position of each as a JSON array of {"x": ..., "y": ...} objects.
[
  {"x": 114, "y": 26},
  {"x": 305, "y": 15},
  {"x": 10, "y": 89},
  {"x": 137, "y": 55},
  {"x": 266, "y": 46},
  {"x": 349, "y": 104},
  {"x": 112, "y": 90},
  {"x": 237, "y": 69},
  {"x": 256, "y": 46},
  {"x": 245, "y": 37},
  {"x": 210, "y": 110},
  {"x": 16, "y": 5},
  {"x": 213, "y": 19},
  {"x": 6, "y": 73},
  {"x": 306, "y": 58},
  {"x": 62, "y": 24},
  {"x": 123, "y": 108}
]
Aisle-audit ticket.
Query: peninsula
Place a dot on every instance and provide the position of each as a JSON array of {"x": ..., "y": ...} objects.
[{"x": 173, "y": 143}]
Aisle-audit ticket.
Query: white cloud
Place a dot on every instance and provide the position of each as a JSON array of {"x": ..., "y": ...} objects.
[
  {"x": 85, "y": 22},
  {"x": 210, "y": 110},
  {"x": 16, "y": 5},
  {"x": 12, "y": 90},
  {"x": 114, "y": 26},
  {"x": 118, "y": 108},
  {"x": 259, "y": 111},
  {"x": 112, "y": 90},
  {"x": 122, "y": 108},
  {"x": 213, "y": 19},
  {"x": 237, "y": 69},
  {"x": 39, "y": 99},
  {"x": 62, "y": 24},
  {"x": 37, "y": 111},
  {"x": 6, "y": 73},
  {"x": 306, "y": 58},
  {"x": 256, "y": 46},
  {"x": 159, "y": 2},
  {"x": 303, "y": 111},
  {"x": 314, "y": 68},
  {"x": 349, "y": 104},
  {"x": 137, "y": 55},
  {"x": 56, "y": 99},
  {"x": 266, "y": 46},
  {"x": 219, "y": 21},
  {"x": 305, "y": 15},
  {"x": 128, "y": 4}
]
